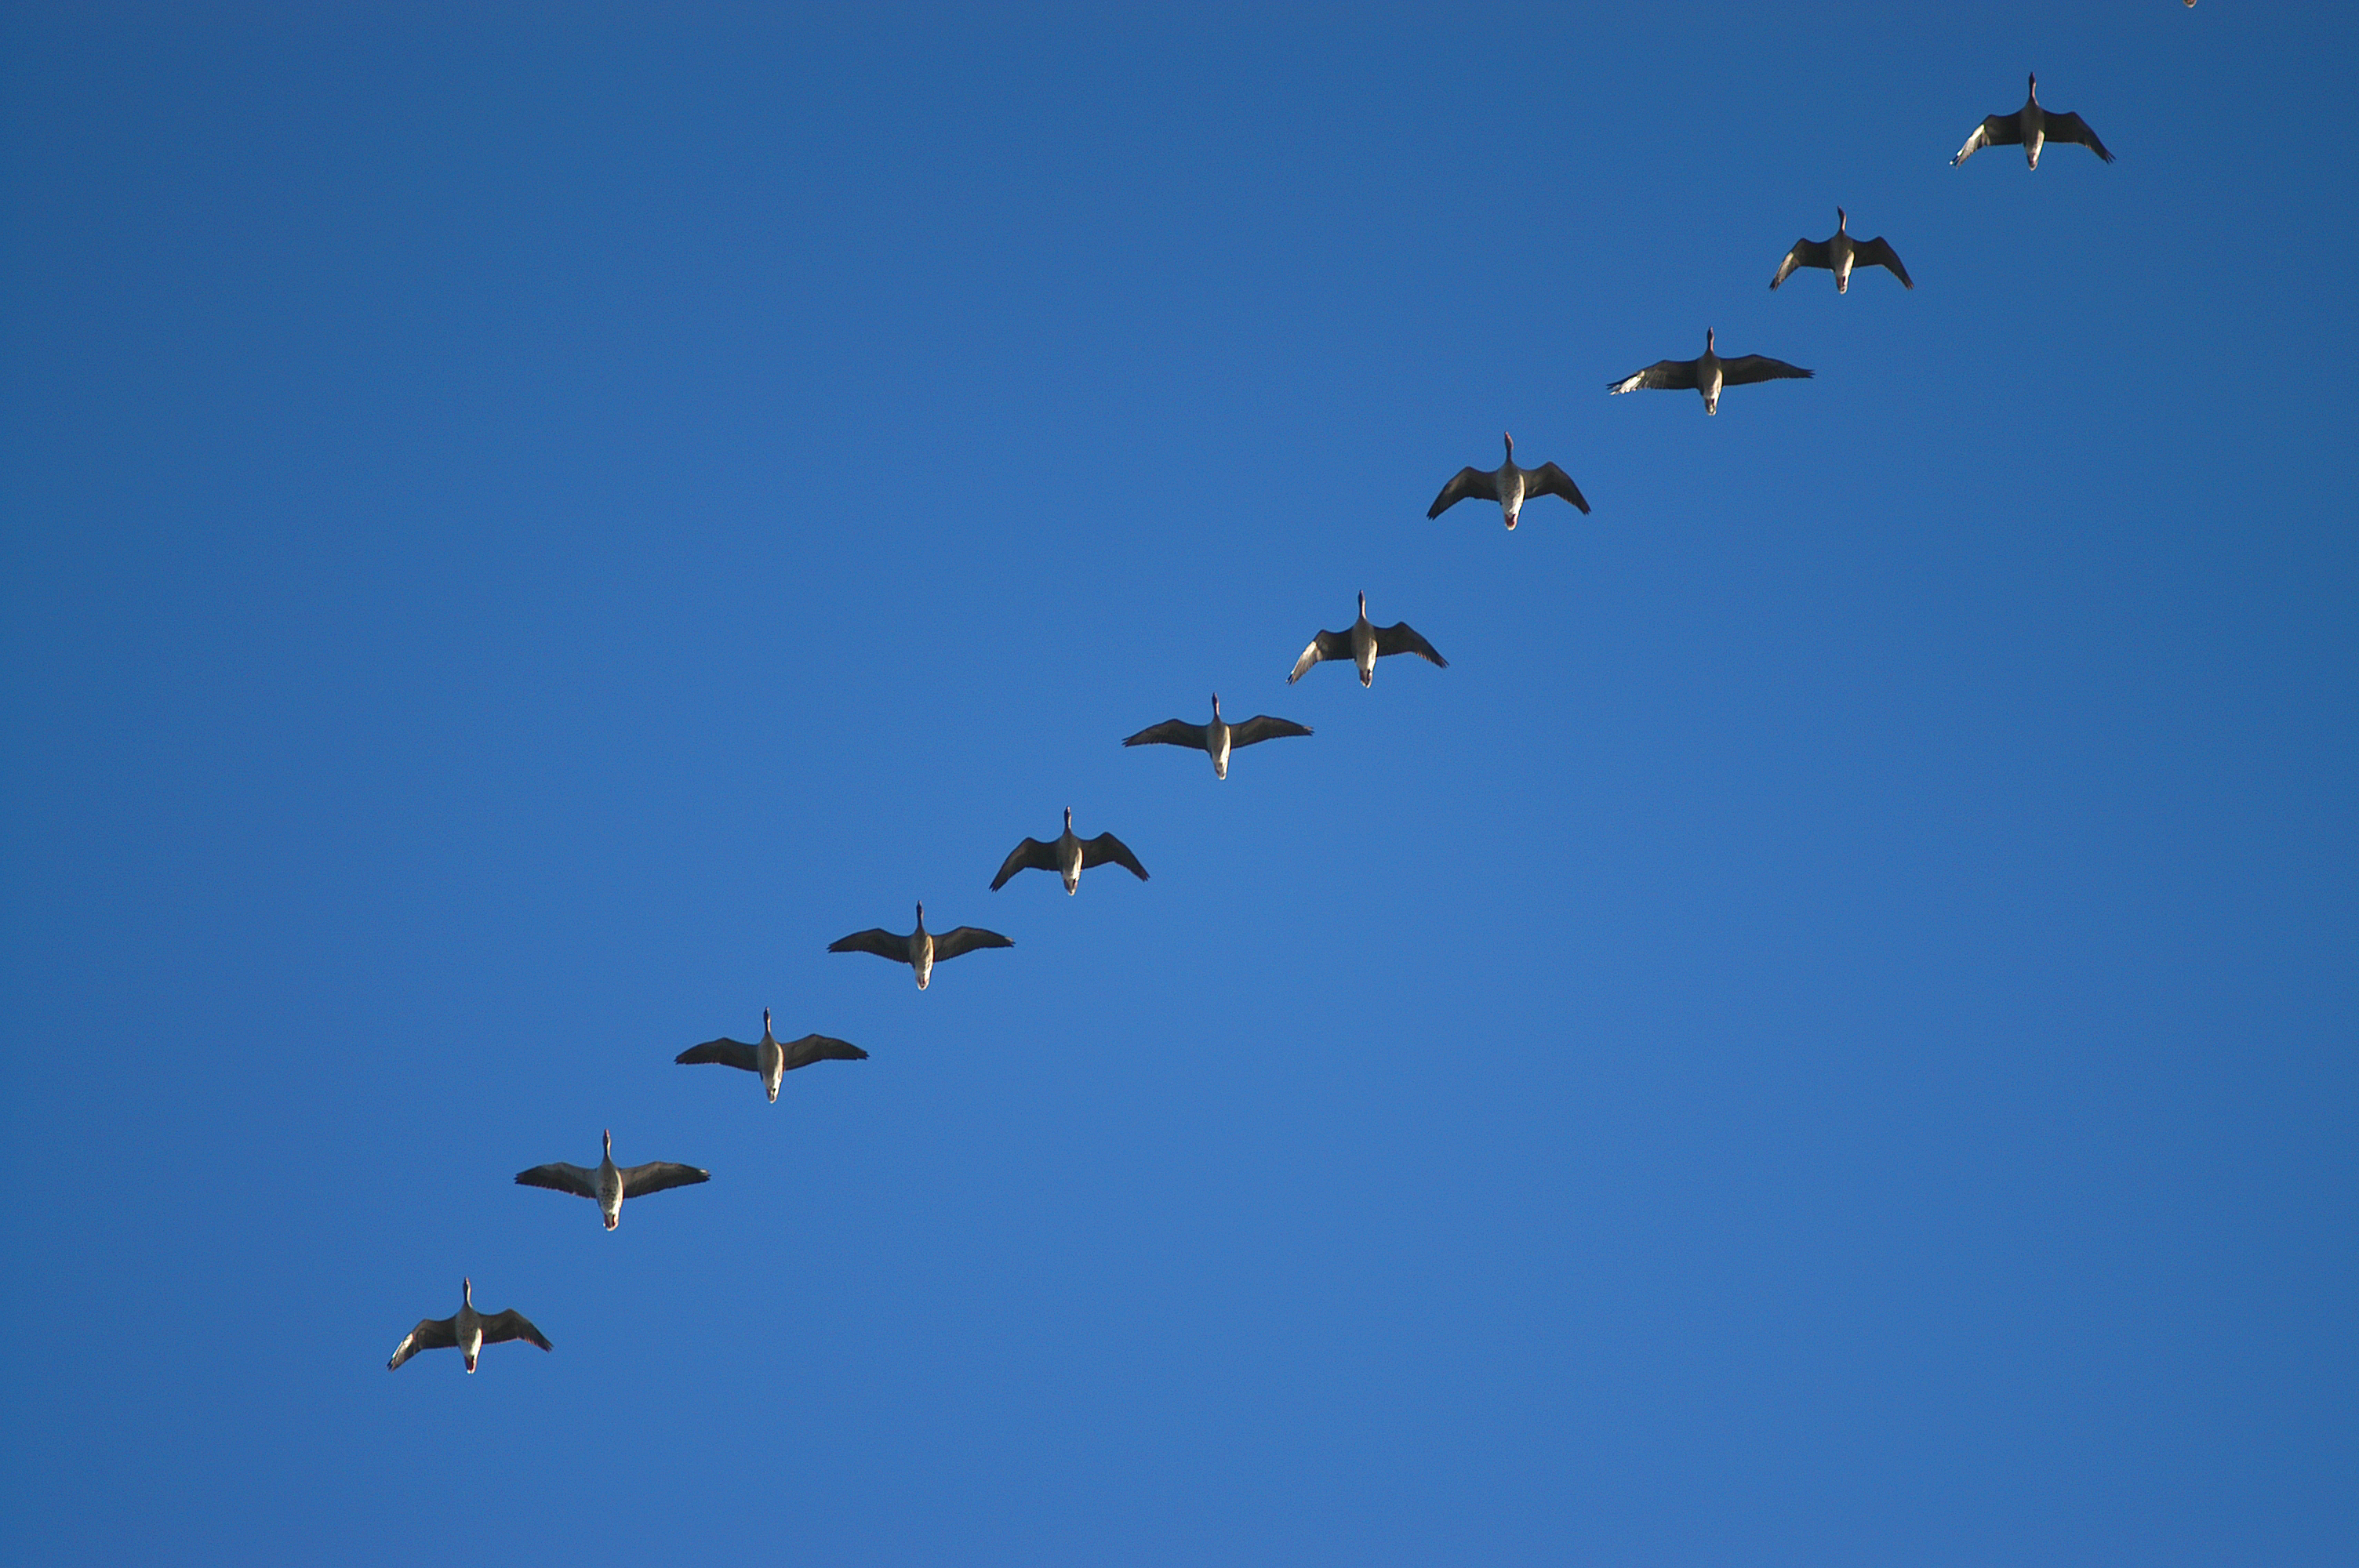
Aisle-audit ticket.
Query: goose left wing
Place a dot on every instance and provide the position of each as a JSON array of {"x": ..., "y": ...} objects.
[
  {"x": 2072, "y": 128},
  {"x": 812, "y": 1048},
  {"x": 1760, "y": 367},
  {"x": 1326, "y": 645},
  {"x": 561, "y": 1178},
  {"x": 431, "y": 1334},
  {"x": 1105, "y": 847},
  {"x": 1996, "y": 131},
  {"x": 1806, "y": 253},
  {"x": 1262, "y": 726},
  {"x": 1549, "y": 479},
  {"x": 1469, "y": 481},
  {"x": 1170, "y": 732},
  {"x": 966, "y": 939},
  {"x": 1875, "y": 253},
  {"x": 875, "y": 939},
  {"x": 728, "y": 1053},
  {"x": 1403, "y": 638},
  {"x": 655, "y": 1175},
  {"x": 1670, "y": 376},
  {"x": 501, "y": 1327},
  {"x": 1029, "y": 856}
]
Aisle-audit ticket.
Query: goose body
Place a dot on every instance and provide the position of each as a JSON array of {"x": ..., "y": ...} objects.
[
  {"x": 1364, "y": 644},
  {"x": 1217, "y": 739},
  {"x": 2033, "y": 126},
  {"x": 1068, "y": 854},
  {"x": 1839, "y": 254},
  {"x": 468, "y": 1331},
  {"x": 772, "y": 1058},
  {"x": 1709, "y": 376},
  {"x": 610, "y": 1183},
  {"x": 921, "y": 949},
  {"x": 1508, "y": 485}
]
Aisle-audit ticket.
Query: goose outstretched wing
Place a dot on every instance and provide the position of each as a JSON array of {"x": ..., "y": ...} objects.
[
  {"x": 1670, "y": 376},
  {"x": 1326, "y": 645},
  {"x": 966, "y": 939},
  {"x": 1262, "y": 726},
  {"x": 1030, "y": 855},
  {"x": 1469, "y": 481},
  {"x": 1549, "y": 479},
  {"x": 1105, "y": 847},
  {"x": 728, "y": 1053},
  {"x": 501, "y": 1327},
  {"x": 812, "y": 1048},
  {"x": 1996, "y": 131},
  {"x": 431, "y": 1334},
  {"x": 1759, "y": 367},
  {"x": 561, "y": 1178},
  {"x": 2072, "y": 128},
  {"x": 657, "y": 1174},
  {"x": 1403, "y": 638},
  {"x": 1875, "y": 253},
  {"x": 1170, "y": 732},
  {"x": 1806, "y": 253},
  {"x": 875, "y": 939}
]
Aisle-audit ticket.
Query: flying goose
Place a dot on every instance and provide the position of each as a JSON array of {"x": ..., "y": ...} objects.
[
  {"x": 2034, "y": 128},
  {"x": 1068, "y": 854},
  {"x": 1707, "y": 375},
  {"x": 1508, "y": 485},
  {"x": 1364, "y": 644},
  {"x": 610, "y": 1183},
  {"x": 1218, "y": 738},
  {"x": 921, "y": 949},
  {"x": 771, "y": 1058},
  {"x": 1839, "y": 254},
  {"x": 469, "y": 1330}
]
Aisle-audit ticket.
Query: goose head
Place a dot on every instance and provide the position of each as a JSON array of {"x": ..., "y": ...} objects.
[
  {"x": 1363, "y": 604},
  {"x": 1216, "y": 707},
  {"x": 1069, "y": 819},
  {"x": 466, "y": 1293},
  {"x": 607, "y": 1139},
  {"x": 1504, "y": 435},
  {"x": 1842, "y": 222},
  {"x": 2034, "y": 87},
  {"x": 921, "y": 915},
  {"x": 1707, "y": 340},
  {"x": 765, "y": 1024}
]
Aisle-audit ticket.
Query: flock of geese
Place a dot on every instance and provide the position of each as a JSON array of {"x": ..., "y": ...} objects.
[{"x": 2032, "y": 128}]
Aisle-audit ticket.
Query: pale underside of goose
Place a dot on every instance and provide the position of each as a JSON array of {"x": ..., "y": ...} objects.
[
  {"x": 1068, "y": 854},
  {"x": 1709, "y": 375},
  {"x": 921, "y": 949},
  {"x": 468, "y": 1331},
  {"x": 771, "y": 1058},
  {"x": 609, "y": 1183},
  {"x": 1508, "y": 485},
  {"x": 1839, "y": 253},
  {"x": 1219, "y": 738},
  {"x": 1364, "y": 644},
  {"x": 2031, "y": 127}
]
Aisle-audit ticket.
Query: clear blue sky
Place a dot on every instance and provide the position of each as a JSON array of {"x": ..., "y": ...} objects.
[{"x": 1826, "y": 1036}]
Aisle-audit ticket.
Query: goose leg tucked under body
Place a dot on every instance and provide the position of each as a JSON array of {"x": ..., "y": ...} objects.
[
  {"x": 468, "y": 1331},
  {"x": 771, "y": 1058}
]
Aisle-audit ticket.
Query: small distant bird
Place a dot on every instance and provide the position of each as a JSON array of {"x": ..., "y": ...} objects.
[
  {"x": 1840, "y": 254},
  {"x": 1709, "y": 375},
  {"x": 469, "y": 1330},
  {"x": 1508, "y": 485},
  {"x": 1364, "y": 644},
  {"x": 2034, "y": 128},
  {"x": 1218, "y": 738},
  {"x": 921, "y": 949},
  {"x": 773, "y": 1058},
  {"x": 610, "y": 1183},
  {"x": 1068, "y": 854}
]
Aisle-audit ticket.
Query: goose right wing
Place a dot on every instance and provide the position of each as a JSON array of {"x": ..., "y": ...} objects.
[
  {"x": 728, "y": 1053},
  {"x": 2072, "y": 128},
  {"x": 1326, "y": 645},
  {"x": 1471, "y": 481},
  {"x": 812, "y": 1048},
  {"x": 431, "y": 1334},
  {"x": 1996, "y": 131},
  {"x": 561, "y": 1178},
  {"x": 1806, "y": 253},
  {"x": 1170, "y": 732},
  {"x": 1760, "y": 367},
  {"x": 660, "y": 1176},
  {"x": 876, "y": 940},
  {"x": 501, "y": 1327},
  {"x": 1549, "y": 479},
  {"x": 1671, "y": 375},
  {"x": 1030, "y": 855},
  {"x": 1105, "y": 847},
  {"x": 1262, "y": 726},
  {"x": 1875, "y": 253},
  {"x": 1403, "y": 638},
  {"x": 966, "y": 939}
]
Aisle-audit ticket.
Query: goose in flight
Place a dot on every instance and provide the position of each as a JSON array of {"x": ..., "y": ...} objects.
[
  {"x": 469, "y": 1330},
  {"x": 1840, "y": 254},
  {"x": 1364, "y": 644},
  {"x": 921, "y": 949},
  {"x": 2034, "y": 128},
  {"x": 1508, "y": 485},
  {"x": 771, "y": 1058},
  {"x": 610, "y": 1183},
  {"x": 1218, "y": 738},
  {"x": 1068, "y": 854},
  {"x": 1707, "y": 375}
]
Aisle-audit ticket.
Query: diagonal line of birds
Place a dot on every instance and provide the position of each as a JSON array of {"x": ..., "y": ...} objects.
[{"x": 2032, "y": 128}]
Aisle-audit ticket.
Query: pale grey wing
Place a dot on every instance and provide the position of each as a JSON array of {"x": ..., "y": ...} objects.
[
  {"x": 1996, "y": 131},
  {"x": 657, "y": 1176},
  {"x": 1760, "y": 367},
  {"x": 1549, "y": 479},
  {"x": 728, "y": 1053},
  {"x": 1471, "y": 481},
  {"x": 1170, "y": 732},
  {"x": 1262, "y": 726},
  {"x": 431, "y": 1334},
  {"x": 812, "y": 1048},
  {"x": 2072, "y": 128},
  {"x": 876, "y": 940},
  {"x": 1403, "y": 638},
  {"x": 1806, "y": 253},
  {"x": 1326, "y": 645},
  {"x": 561, "y": 1178},
  {"x": 966, "y": 939},
  {"x": 1105, "y": 847},
  {"x": 1029, "y": 856},
  {"x": 1670, "y": 376},
  {"x": 501, "y": 1327},
  {"x": 1875, "y": 253}
]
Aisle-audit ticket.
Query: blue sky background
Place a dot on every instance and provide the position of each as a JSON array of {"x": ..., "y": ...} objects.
[{"x": 1825, "y": 1036}]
